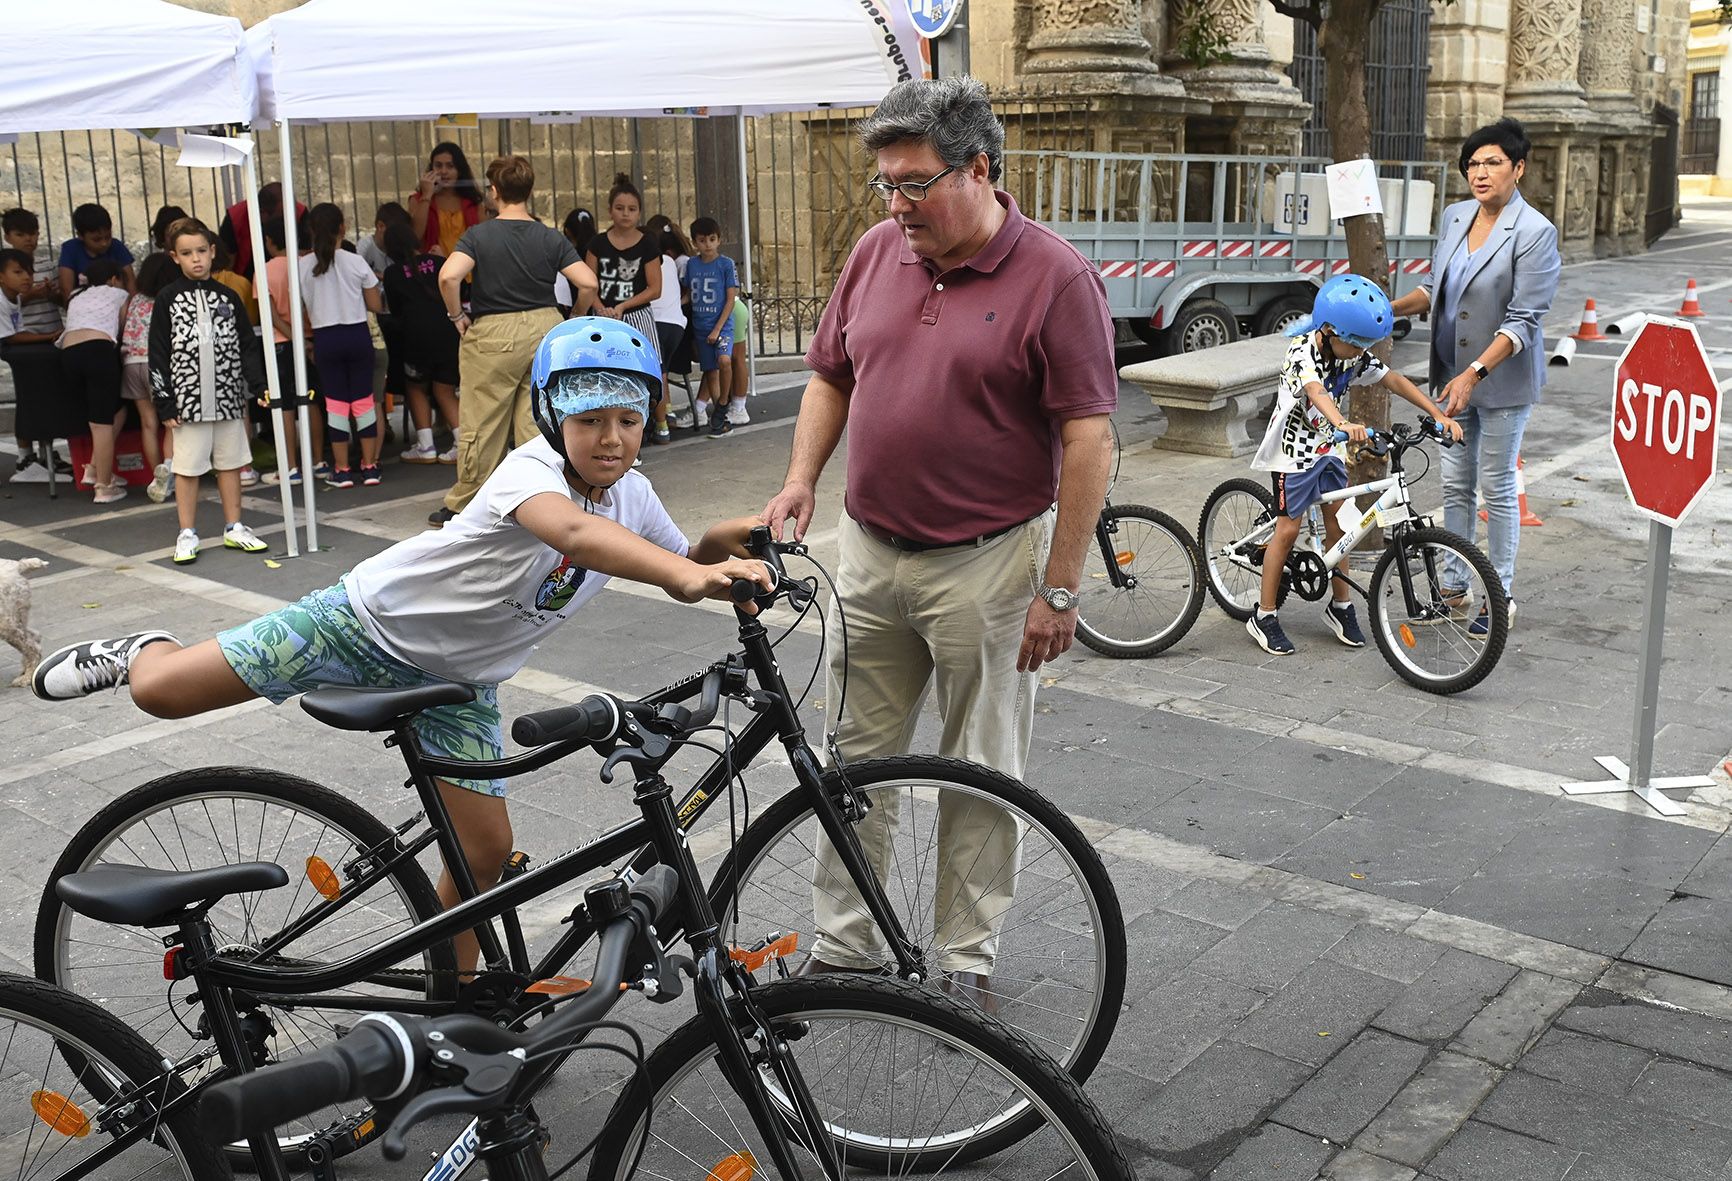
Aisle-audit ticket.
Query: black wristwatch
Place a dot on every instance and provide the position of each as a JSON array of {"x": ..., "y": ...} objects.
[{"x": 1480, "y": 371}]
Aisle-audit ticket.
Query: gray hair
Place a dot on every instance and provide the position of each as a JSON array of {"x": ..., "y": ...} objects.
[{"x": 952, "y": 114}]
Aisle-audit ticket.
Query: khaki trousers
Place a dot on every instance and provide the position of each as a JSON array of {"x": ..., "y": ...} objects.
[
  {"x": 950, "y": 620},
  {"x": 494, "y": 412}
]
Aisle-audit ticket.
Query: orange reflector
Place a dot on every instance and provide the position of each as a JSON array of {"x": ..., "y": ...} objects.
[
  {"x": 1407, "y": 636},
  {"x": 65, "y": 1116},
  {"x": 758, "y": 957},
  {"x": 559, "y": 986},
  {"x": 324, "y": 879},
  {"x": 742, "y": 1166},
  {"x": 1125, "y": 557}
]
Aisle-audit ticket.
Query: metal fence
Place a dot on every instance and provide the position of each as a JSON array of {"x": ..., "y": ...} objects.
[
  {"x": 809, "y": 200},
  {"x": 1398, "y": 66}
]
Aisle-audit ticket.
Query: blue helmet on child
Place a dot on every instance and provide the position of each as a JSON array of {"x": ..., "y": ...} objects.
[
  {"x": 591, "y": 363},
  {"x": 1354, "y": 308}
]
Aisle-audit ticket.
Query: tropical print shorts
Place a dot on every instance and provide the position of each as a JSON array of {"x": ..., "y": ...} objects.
[{"x": 319, "y": 641}]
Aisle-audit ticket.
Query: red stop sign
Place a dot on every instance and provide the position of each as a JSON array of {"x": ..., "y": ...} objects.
[{"x": 1666, "y": 419}]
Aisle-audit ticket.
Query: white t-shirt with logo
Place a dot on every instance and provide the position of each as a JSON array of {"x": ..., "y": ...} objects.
[{"x": 470, "y": 602}]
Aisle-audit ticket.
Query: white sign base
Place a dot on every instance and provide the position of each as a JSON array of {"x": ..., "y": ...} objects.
[{"x": 1648, "y": 792}]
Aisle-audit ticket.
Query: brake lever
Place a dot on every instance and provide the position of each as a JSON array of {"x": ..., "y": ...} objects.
[{"x": 486, "y": 1080}]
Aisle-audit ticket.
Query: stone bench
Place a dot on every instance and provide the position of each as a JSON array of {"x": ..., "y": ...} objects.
[{"x": 1213, "y": 398}]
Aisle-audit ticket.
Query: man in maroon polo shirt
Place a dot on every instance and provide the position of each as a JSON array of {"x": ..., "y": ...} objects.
[{"x": 969, "y": 353}]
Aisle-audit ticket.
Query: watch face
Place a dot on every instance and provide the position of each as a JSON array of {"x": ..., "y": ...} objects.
[{"x": 1060, "y": 599}]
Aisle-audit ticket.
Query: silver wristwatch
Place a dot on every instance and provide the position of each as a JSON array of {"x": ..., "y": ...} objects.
[{"x": 1059, "y": 598}]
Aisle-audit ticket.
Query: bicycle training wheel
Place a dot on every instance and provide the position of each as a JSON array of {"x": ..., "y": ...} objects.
[
  {"x": 80, "y": 1091},
  {"x": 902, "y": 1080},
  {"x": 1042, "y": 905},
  {"x": 1441, "y": 643},
  {"x": 1163, "y": 589},
  {"x": 1234, "y": 567},
  {"x": 222, "y": 815}
]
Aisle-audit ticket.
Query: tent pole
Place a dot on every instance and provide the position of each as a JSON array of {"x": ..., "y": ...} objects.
[
  {"x": 297, "y": 332},
  {"x": 250, "y": 178},
  {"x": 746, "y": 257}
]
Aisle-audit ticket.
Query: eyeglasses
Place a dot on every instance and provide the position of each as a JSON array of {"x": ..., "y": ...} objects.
[
  {"x": 1491, "y": 165},
  {"x": 914, "y": 190}
]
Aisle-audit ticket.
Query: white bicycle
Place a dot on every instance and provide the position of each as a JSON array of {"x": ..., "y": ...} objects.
[{"x": 1437, "y": 607}]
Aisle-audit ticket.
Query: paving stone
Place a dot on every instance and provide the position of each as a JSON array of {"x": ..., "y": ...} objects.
[
  {"x": 1143, "y": 886},
  {"x": 1685, "y": 1036},
  {"x": 1273, "y": 947},
  {"x": 1694, "y": 1092},
  {"x": 1440, "y": 1003},
  {"x": 1688, "y": 937},
  {"x": 1202, "y": 1113},
  {"x": 1385, "y": 953},
  {"x": 1480, "y": 1152},
  {"x": 1166, "y": 1027},
  {"x": 1354, "y": 1165},
  {"x": 1318, "y": 1013},
  {"x": 1568, "y": 904},
  {"x": 1124, "y": 1101},
  {"x": 1393, "y": 859},
  {"x": 1339, "y": 1100},
  {"x": 1502, "y": 1031},
  {"x": 1160, "y": 945},
  {"x": 1438, "y": 802},
  {"x": 1236, "y": 821},
  {"x": 1275, "y": 1153},
  {"x": 1427, "y": 1112},
  {"x": 1310, "y": 774},
  {"x": 1712, "y": 876},
  {"x": 1591, "y": 1063},
  {"x": 1215, "y": 904}
]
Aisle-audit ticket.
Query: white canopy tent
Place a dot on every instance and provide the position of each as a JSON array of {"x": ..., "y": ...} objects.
[
  {"x": 338, "y": 60},
  {"x": 156, "y": 65}
]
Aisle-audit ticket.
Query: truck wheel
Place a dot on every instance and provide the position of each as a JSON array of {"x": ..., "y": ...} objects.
[
  {"x": 1280, "y": 314},
  {"x": 1202, "y": 324}
]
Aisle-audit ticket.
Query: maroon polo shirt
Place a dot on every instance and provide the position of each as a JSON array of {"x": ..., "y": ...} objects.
[{"x": 962, "y": 379}]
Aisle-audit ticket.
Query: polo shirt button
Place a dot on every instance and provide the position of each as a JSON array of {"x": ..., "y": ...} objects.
[{"x": 938, "y": 287}]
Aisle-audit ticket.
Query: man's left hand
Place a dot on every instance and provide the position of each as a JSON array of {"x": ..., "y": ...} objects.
[{"x": 1046, "y": 635}]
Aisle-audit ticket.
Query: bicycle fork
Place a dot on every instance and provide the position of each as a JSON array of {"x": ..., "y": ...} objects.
[{"x": 1115, "y": 570}]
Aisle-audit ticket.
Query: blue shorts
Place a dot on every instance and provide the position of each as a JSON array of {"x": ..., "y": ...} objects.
[
  {"x": 1297, "y": 491},
  {"x": 712, "y": 356},
  {"x": 319, "y": 641}
]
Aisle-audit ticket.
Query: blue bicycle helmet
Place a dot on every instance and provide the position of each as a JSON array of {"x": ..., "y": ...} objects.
[
  {"x": 596, "y": 345},
  {"x": 1352, "y": 307}
]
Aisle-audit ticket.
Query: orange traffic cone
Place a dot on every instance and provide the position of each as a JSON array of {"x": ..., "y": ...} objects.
[
  {"x": 1528, "y": 516},
  {"x": 1691, "y": 306},
  {"x": 1590, "y": 329}
]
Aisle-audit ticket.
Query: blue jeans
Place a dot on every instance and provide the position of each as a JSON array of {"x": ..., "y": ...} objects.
[{"x": 1485, "y": 462}]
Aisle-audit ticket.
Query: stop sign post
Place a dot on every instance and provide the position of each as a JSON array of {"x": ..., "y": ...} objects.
[{"x": 1666, "y": 436}]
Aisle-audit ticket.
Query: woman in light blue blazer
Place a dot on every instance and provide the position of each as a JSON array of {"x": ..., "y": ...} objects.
[{"x": 1492, "y": 281}]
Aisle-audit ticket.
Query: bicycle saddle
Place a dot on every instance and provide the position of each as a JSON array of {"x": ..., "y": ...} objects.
[
  {"x": 137, "y": 896},
  {"x": 380, "y": 709}
]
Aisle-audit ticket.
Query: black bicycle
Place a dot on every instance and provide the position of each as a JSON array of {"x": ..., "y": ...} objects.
[{"x": 362, "y": 930}]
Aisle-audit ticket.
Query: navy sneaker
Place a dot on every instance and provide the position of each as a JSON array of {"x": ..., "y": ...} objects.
[
  {"x": 1344, "y": 623},
  {"x": 1266, "y": 630},
  {"x": 1480, "y": 628}
]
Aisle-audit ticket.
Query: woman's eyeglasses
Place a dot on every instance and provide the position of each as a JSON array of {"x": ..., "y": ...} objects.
[
  {"x": 1491, "y": 165},
  {"x": 914, "y": 190}
]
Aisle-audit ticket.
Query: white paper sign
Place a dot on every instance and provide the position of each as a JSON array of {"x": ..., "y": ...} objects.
[{"x": 1353, "y": 189}]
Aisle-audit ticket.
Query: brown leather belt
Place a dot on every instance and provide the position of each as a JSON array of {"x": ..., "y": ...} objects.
[{"x": 909, "y": 545}]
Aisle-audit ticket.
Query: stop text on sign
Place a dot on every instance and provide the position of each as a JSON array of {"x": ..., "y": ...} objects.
[{"x": 1671, "y": 417}]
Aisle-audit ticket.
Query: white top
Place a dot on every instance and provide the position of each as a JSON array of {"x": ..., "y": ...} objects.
[
  {"x": 96, "y": 308},
  {"x": 666, "y": 309},
  {"x": 1298, "y": 434},
  {"x": 335, "y": 297},
  {"x": 470, "y": 601},
  {"x": 11, "y": 318}
]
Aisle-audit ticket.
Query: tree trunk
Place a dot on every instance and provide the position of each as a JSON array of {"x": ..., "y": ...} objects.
[{"x": 1344, "y": 39}]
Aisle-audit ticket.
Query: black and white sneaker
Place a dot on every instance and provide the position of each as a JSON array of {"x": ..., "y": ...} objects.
[
  {"x": 1266, "y": 630},
  {"x": 1344, "y": 623},
  {"x": 81, "y": 669}
]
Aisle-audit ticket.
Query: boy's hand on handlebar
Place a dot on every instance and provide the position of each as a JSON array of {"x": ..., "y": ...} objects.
[
  {"x": 714, "y": 582},
  {"x": 1355, "y": 432},
  {"x": 1450, "y": 427}
]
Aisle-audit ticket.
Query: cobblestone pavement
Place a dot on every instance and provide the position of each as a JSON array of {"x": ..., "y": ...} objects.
[{"x": 1369, "y": 937}]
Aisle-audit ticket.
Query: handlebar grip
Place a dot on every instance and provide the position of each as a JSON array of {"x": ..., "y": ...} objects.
[
  {"x": 593, "y": 719},
  {"x": 743, "y": 590},
  {"x": 370, "y": 1060},
  {"x": 658, "y": 886}
]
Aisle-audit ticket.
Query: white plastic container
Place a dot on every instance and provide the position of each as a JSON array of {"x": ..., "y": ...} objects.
[
  {"x": 1407, "y": 206},
  {"x": 1310, "y": 210}
]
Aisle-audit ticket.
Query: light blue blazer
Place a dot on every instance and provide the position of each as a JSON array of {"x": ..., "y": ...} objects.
[{"x": 1511, "y": 283}]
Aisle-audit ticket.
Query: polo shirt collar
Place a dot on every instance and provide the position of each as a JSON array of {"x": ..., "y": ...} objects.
[{"x": 994, "y": 253}]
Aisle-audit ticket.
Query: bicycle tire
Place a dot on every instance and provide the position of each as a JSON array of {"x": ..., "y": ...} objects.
[
  {"x": 1172, "y": 578},
  {"x": 1058, "y": 848},
  {"x": 1233, "y": 584},
  {"x": 97, "y": 1050},
  {"x": 1401, "y": 640},
  {"x": 804, "y": 1009},
  {"x": 105, "y": 837}
]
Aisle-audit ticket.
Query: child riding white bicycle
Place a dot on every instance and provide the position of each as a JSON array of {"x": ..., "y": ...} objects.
[{"x": 1330, "y": 353}]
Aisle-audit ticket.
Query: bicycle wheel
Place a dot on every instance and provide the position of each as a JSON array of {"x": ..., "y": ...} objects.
[
  {"x": 1057, "y": 972},
  {"x": 1163, "y": 589},
  {"x": 1235, "y": 571},
  {"x": 1433, "y": 646},
  {"x": 221, "y": 815},
  {"x": 905, "y": 1081},
  {"x": 74, "y": 1080}
]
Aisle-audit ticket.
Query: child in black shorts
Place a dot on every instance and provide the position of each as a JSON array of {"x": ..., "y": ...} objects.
[{"x": 411, "y": 285}]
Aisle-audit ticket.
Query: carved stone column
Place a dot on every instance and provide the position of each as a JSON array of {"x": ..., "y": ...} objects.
[
  {"x": 1608, "y": 76},
  {"x": 1254, "y": 108},
  {"x": 1545, "y": 93},
  {"x": 1093, "y": 47}
]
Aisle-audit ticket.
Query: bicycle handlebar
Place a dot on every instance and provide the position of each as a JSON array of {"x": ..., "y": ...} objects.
[
  {"x": 1401, "y": 435},
  {"x": 386, "y": 1057}
]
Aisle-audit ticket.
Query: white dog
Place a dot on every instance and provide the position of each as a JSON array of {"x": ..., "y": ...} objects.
[{"x": 15, "y": 613}]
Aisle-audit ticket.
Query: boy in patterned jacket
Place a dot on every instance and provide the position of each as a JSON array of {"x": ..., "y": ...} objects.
[{"x": 205, "y": 362}]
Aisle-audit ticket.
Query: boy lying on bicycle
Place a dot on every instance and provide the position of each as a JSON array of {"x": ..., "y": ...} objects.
[
  {"x": 1330, "y": 353},
  {"x": 467, "y": 603}
]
